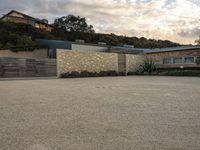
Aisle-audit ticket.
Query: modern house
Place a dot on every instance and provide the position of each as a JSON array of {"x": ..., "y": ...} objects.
[
  {"x": 18, "y": 17},
  {"x": 185, "y": 56},
  {"x": 163, "y": 57},
  {"x": 173, "y": 57},
  {"x": 78, "y": 45}
]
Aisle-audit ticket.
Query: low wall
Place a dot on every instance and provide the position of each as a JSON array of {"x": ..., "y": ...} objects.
[
  {"x": 21, "y": 67},
  {"x": 133, "y": 62},
  {"x": 68, "y": 61},
  {"x": 37, "y": 54}
]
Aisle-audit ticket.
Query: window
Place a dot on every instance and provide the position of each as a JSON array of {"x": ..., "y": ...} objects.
[
  {"x": 189, "y": 60},
  {"x": 178, "y": 60},
  {"x": 167, "y": 60}
]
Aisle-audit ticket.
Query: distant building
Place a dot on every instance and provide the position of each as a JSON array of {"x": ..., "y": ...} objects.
[{"x": 18, "y": 17}]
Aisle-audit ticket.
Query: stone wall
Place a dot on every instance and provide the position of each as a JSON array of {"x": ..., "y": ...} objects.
[
  {"x": 21, "y": 67},
  {"x": 68, "y": 61},
  {"x": 133, "y": 62},
  {"x": 36, "y": 54}
]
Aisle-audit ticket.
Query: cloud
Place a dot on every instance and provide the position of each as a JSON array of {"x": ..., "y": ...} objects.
[
  {"x": 176, "y": 20},
  {"x": 170, "y": 4},
  {"x": 190, "y": 33},
  {"x": 197, "y": 2}
]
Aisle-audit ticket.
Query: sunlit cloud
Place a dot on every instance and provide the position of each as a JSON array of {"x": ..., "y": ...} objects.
[{"x": 176, "y": 20}]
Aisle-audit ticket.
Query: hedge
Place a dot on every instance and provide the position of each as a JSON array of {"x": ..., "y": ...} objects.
[
  {"x": 171, "y": 72},
  {"x": 75, "y": 74}
]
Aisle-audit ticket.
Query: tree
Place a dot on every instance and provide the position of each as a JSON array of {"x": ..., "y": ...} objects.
[
  {"x": 24, "y": 40},
  {"x": 73, "y": 23},
  {"x": 198, "y": 40}
]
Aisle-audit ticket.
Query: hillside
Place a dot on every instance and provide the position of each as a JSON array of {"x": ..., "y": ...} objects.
[{"x": 14, "y": 34}]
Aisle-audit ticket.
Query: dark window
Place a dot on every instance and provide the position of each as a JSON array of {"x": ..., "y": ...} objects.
[
  {"x": 189, "y": 60},
  {"x": 178, "y": 60},
  {"x": 167, "y": 60}
]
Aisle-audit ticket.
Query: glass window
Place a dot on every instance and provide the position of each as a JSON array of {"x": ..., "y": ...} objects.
[
  {"x": 189, "y": 60},
  {"x": 167, "y": 60},
  {"x": 178, "y": 60}
]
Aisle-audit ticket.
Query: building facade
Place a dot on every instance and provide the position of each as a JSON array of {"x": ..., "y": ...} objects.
[
  {"x": 53, "y": 45},
  {"x": 175, "y": 57}
]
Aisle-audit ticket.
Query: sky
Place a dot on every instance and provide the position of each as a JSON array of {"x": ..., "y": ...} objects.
[{"x": 175, "y": 20}]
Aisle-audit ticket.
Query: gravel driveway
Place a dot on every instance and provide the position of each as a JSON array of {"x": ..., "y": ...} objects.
[{"x": 114, "y": 113}]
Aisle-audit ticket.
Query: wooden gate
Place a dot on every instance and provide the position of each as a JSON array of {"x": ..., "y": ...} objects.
[{"x": 122, "y": 64}]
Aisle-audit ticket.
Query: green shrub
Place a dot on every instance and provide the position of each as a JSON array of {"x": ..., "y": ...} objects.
[
  {"x": 179, "y": 72},
  {"x": 134, "y": 73},
  {"x": 26, "y": 47},
  {"x": 182, "y": 73},
  {"x": 24, "y": 40},
  {"x": 171, "y": 72},
  {"x": 108, "y": 73},
  {"x": 1, "y": 46},
  {"x": 8, "y": 45},
  {"x": 75, "y": 74},
  {"x": 198, "y": 60}
]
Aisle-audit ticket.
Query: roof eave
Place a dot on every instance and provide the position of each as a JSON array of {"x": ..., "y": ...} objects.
[{"x": 171, "y": 50}]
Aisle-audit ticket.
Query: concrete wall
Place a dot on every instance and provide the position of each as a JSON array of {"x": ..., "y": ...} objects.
[
  {"x": 158, "y": 58},
  {"x": 133, "y": 62},
  {"x": 90, "y": 48},
  {"x": 68, "y": 61},
  {"x": 21, "y": 67},
  {"x": 37, "y": 54}
]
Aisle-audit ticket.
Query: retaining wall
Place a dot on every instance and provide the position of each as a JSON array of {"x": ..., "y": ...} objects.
[{"x": 36, "y": 54}]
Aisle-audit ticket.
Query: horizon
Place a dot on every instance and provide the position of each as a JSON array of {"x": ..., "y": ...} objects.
[{"x": 173, "y": 20}]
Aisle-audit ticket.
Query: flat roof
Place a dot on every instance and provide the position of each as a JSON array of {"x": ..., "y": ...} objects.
[
  {"x": 156, "y": 50},
  {"x": 127, "y": 50},
  {"x": 171, "y": 49},
  {"x": 89, "y": 44}
]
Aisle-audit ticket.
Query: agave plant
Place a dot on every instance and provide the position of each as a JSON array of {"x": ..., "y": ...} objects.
[{"x": 147, "y": 67}]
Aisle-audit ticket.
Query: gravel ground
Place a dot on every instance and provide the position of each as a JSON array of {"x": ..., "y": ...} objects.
[{"x": 114, "y": 113}]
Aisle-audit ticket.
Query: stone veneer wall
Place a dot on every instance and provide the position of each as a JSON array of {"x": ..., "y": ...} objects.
[
  {"x": 68, "y": 61},
  {"x": 133, "y": 62}
]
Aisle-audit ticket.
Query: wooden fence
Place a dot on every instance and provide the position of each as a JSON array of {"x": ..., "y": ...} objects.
[{"x": 22, "y": 67}]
